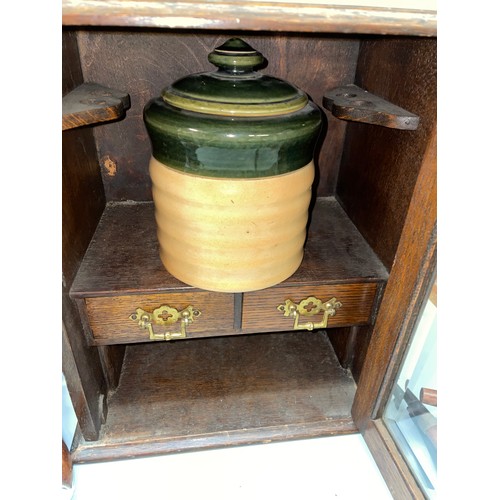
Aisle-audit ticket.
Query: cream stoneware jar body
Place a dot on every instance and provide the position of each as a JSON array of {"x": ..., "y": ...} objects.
[
  {"x": 231, "y": 170},
  {"x": 231, "y": 236}
]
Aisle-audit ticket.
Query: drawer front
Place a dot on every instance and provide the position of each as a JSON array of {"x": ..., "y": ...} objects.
[
  {"x": 261, "y": 314},
  {"x": 110, "y": 322}
]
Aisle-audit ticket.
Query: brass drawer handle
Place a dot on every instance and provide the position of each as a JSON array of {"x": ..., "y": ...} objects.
[
  {"x": 165, "y": 315},
  {"x": 310, "y": 307}
]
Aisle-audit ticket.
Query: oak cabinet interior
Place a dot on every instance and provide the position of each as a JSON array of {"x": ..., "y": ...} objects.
[{"x": 242, "y": 375}]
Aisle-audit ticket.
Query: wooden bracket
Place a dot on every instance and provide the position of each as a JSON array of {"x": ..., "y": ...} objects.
[
  {"x": 92, "y": 103},
  {"x": 352, "y": 103}
]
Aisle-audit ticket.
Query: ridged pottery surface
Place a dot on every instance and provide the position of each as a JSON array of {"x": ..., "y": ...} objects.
[{"x": 231, "y": 235}]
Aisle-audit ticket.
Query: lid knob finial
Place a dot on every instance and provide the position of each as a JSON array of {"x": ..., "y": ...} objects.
[{"x": 236, "y": 56}]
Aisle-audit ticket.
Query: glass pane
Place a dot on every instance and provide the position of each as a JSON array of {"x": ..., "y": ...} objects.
[{"x": 411, "y": 412}]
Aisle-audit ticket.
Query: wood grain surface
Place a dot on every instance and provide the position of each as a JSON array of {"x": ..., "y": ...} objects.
[
  {"x": 380, "y": 165},
  {"x": 206, "y": 393},
  {"x": 91, "y": 103},
  {"x": 393, "y": 467},
  {"x": 263, "y": 15},
  {"x": 110, "y": 323},
  {"x": 121, "y": 272},
  {"x": 352, "y": 103},
  {"x": 260, "y": 311},
  {"x": 84, "y": 376},
  {"x": 80, "y": 183},
  {"x": 123, "y": 255},
  {"x": 404, "y": 295}
]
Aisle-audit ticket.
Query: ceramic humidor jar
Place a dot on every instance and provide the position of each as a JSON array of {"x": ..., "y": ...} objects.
[{"x": 231, "y": 169}]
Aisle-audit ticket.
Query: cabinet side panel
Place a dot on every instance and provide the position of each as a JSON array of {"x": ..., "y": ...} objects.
[
  {"x": 82, "y": 198},
  {"x": 82, "y": 204},
  {"x": 142, "y": 63},
  {"x": 380, "y": 165},
  {"x": 414, "y": 263},
  {"x": 82, "y": 190},
  {"x": 72, "y": 75},
  {"x": 83, "y": 373}
]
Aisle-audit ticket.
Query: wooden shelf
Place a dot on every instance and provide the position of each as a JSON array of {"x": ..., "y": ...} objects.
[
  {"x": 197, "y": 394},
  {"x": 123, "y": 256},
  {"x": 408, "y": 18}
]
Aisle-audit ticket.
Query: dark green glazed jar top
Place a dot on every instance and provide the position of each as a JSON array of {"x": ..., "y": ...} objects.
[
  {"x": 236, "y": 89},
  {"x": 234, "y": 122}
]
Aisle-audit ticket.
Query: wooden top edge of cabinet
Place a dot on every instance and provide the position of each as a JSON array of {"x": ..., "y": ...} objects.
[{"x": 274, "y": 15}]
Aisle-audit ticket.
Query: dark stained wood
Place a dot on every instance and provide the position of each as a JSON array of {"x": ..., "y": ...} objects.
[
  {"x": 72, "y": 75},
  {"x": 405, "y": 292},
  {"x": 260, "y": 311},
  {"x": 83, "y": 197},
  {"x": 142, "y": 63},
  {"x": 312, "y": 63},
  {"x": 269, "y": 15},
  {"x": 392, "y": 465},
  {"x": 91, "y": 103},
  {"x": 342, "y": 340},
  {"x": 207, "y": 393},
  {"x": 359, "y": 348},
  {"x": 110, "y": 323},
  {"x": 83, "y": 202},
  {"x": 84, "y": 377},
  {"x": 351, "y": 343},
  {"x": 355, "y": 104},
  {"x": 111, "y": 357},
  {"x": 123, "y": 255},
  {"x": 380, "y": 165},
  {"x": 80, "y": 175},
  {"x": 117, "y": 263}
]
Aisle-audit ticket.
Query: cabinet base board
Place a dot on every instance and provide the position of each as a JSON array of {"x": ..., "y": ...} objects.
[{"x": 223, "y": 391}]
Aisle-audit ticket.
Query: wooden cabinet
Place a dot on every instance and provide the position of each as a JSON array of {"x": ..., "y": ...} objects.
[{"x": 242, "y": 374}]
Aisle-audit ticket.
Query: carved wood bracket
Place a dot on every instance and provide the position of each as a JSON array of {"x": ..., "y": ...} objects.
[
  {"x": 353, "y": 103},
  {"x": 92, "y": 103}
]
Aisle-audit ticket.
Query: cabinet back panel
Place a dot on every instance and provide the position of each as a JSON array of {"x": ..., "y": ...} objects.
[{"x": 142, "y": 63}]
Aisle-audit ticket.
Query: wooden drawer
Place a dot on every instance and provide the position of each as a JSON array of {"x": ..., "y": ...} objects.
[
  {"x": 110, "y": 323},
  {"x": 260, "y": 309}
]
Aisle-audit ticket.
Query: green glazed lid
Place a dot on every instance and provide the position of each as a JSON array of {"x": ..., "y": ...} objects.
[
  {"x": 235, "y": 89},
  {"x": 234, "y": 122}
]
